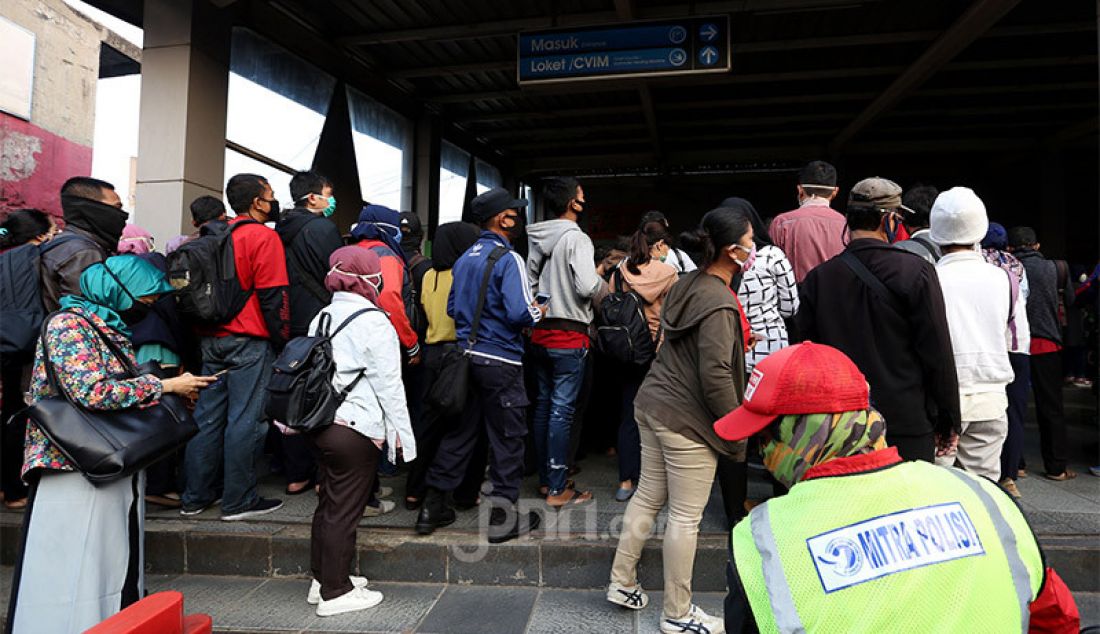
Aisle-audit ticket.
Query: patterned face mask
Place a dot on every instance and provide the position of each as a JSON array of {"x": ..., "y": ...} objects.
[{"x": 801, "y": 441}]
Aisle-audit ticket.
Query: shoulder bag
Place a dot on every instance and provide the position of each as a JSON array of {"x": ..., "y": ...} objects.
[
  {"x": 107, "y": 445},
  {"x": 448, "y": 393}
]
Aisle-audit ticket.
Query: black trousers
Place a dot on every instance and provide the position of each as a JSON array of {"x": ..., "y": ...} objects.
[
  {"x": 1046, "y": 384},
  {"x": 916, "y": 447},
  {"x": 629, "y": 446},
  {"x": 733, "y": 480},
  {"x": 497, "y": 403},
  {"x": 429, "y": 430},
  {"x": 1013, "y": 450},
  {"x": 11, "y": 436},
  {"x": 348, "y": 463}
]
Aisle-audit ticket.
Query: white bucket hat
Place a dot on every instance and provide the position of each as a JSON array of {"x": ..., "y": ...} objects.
[{"x": 958, "y": 217}]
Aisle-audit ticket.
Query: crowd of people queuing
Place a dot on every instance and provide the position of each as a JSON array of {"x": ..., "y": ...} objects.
[{"x": 928, "y": 324}]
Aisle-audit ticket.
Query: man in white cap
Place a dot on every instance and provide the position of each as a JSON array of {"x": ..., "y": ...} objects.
[{"x": 979, "y": 298}]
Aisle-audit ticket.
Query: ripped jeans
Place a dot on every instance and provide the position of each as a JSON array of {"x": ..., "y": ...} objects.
[{"x": 560, "y": 374}]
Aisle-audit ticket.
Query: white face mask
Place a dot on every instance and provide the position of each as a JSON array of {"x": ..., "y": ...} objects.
[{"x": 374, "y": 279}]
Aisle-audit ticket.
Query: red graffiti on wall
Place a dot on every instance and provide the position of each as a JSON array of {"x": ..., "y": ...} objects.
[{"x": 35, "y": 163}]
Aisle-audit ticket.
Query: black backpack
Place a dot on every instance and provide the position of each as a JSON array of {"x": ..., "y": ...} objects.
[
  {"x": 622, "y": 331},
  {"x": 300, "y": 393},
  {"x": 204, "y": 273},
  {"x": 408, "y": 291},
  {"x": 21, "y": 311}
]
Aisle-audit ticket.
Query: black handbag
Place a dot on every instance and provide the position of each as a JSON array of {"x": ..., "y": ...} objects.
[
  {"x": 447, "y": 394},
  {"x": 107, "y": 445}
]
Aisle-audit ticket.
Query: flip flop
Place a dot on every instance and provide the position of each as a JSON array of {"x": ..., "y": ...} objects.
[
  {"x": 578, "y": 498},
  {"x": 1062, "y": 477}
]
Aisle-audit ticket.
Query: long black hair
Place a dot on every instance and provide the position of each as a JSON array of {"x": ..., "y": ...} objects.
[
  {"x": 23, "y": 225},
  {"x": 719, "y": 229},
  {"x": 641, "y": 243},
  {"x": 760, "y": 233}
]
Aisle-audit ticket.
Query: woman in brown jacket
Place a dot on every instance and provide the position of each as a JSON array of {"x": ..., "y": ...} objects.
[
  {"x": 645, "y": 273},
  {"x": 698, "y": 376}
]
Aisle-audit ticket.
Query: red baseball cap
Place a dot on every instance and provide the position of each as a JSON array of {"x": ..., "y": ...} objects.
[{"x": 806, "y": 378}]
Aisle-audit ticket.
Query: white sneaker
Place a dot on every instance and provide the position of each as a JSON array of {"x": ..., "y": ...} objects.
[
  {"x": 314, "y": 596},
  {"x": 352, "y": 601},
  {"x": 384, "y": 506},
  {"x": 695, "y": 621},
  {"x": 632, "y": 598}
]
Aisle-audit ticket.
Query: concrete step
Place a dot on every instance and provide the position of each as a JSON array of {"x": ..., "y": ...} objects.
[{"x": 579, "y": 560}]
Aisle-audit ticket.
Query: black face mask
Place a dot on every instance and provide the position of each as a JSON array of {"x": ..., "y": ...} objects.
[
  {"x": 136, "y": 313},
  {"x": 410, "y": 243},
  {"x": 104, "y": 222},
  {"x": 274, "y": 214}
]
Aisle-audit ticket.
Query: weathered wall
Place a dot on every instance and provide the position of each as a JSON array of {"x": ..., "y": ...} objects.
[
  {"x": 37, "y": 156},
  {"x": 66, "y": 66}
]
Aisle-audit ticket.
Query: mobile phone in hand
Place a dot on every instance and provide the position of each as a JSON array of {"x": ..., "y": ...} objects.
[{"x": 542, "y": 298}]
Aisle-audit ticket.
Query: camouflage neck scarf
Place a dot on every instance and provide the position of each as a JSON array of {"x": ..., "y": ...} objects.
[{"x": 802, "y": 441}]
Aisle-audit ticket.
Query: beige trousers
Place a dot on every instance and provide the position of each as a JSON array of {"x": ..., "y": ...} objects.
[
  {"x": 678, "y": 471},
  {"x": 980, "y": 446}
]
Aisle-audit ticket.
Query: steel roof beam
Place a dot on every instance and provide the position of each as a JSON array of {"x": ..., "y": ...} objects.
[{"x": 976, "y": 20}]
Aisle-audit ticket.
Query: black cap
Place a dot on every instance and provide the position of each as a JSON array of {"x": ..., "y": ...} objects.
[
  {"x": 492, "y": 202},
  {"x": 411, "y": 222}
]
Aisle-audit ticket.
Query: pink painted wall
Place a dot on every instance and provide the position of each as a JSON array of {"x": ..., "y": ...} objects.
[{"x": 35, "y": 163}]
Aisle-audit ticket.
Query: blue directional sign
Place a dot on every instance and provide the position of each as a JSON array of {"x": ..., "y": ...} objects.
[
  {"x": 708, "y": 56},
  {"x": 664, "y": 47}
]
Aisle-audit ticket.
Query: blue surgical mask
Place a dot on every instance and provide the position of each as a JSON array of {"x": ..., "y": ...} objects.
[{"x": 331, "y": 209}]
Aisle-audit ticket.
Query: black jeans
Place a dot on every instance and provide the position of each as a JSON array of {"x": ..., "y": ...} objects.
[
  {"x": 347, "y": 466},
  {"x": 1046, "y": 383},
  {"x": 629, "y": 447},
  {"x": 1013, "y": 450},
  {"x": 497, "y": 403}
]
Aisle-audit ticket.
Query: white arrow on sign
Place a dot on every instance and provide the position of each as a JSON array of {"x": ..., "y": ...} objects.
[
  {"x": 709, "y": 55},
  {"x": 709, "y": 32}
]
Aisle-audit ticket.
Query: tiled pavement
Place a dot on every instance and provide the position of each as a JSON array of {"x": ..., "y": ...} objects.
[{"x": 277, "y": 606}]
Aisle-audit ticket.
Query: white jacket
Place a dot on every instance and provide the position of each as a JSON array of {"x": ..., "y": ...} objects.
[
  {"x": 376, "y": 406},
  {"x": 975, "y": 294}
]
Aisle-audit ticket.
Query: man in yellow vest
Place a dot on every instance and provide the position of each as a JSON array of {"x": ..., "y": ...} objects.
[{"x": 865, "y": 542}]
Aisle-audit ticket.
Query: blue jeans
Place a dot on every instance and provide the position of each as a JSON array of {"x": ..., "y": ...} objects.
[
  {"x": 560, "y": 374},
  {"x": 230, "y": 430}
]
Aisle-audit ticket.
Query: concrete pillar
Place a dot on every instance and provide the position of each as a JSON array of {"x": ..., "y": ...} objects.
[
  {"x": 184, "y": 93},
  {"x": 426, "y": 169}
]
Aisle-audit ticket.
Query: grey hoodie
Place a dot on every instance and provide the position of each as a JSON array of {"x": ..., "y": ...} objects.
[{"x": 561, "y": 264}]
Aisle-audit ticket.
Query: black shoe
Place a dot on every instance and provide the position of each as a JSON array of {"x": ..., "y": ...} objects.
[
  {"x": 466, "y": 505},
  {"x": 262, "y": 506},
  {"x": 519, "y": 526},
  {"x": 435, "y": 513}
]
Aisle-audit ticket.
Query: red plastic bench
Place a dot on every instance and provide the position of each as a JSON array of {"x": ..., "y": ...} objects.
[{"x": 160, "y": 613}]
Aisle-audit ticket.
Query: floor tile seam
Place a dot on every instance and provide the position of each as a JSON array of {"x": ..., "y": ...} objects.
[
  {"x": 534, "y": 606},
  {"x": 435, "y": 601}
]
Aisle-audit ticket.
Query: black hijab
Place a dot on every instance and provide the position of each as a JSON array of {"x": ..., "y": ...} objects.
[
  {"x": 759, "y": 231},
  {"x": 451, "y": 241},
  {"x": 101, "y": 221}
]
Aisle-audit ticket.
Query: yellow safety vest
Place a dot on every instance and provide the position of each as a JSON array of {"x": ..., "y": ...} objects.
[{"x": 910, "y": 548}]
